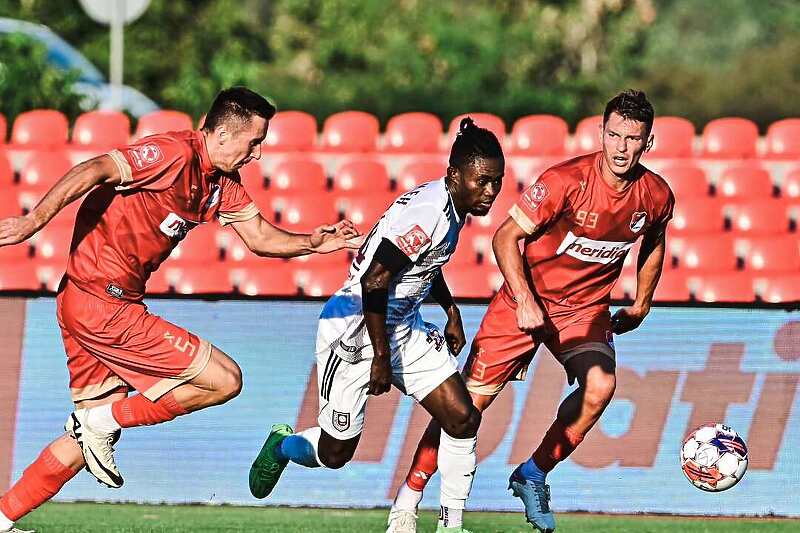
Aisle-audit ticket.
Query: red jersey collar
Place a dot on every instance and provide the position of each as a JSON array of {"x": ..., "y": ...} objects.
[{"x": 205, "y": 161}]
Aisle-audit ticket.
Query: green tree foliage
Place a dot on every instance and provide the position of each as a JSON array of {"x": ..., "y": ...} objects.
[
  {"x": 697, "y": 58},
  {"x": 28, "y": 82}
]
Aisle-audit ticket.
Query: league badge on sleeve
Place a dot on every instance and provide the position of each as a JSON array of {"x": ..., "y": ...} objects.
[
  {"x": 638, "y": 221},
  {"x": 341, "y": 421},
  {"x": 536, "y": 195},
  {"x": 145, "y": 155},
  {"x": 413, "y": 241}
]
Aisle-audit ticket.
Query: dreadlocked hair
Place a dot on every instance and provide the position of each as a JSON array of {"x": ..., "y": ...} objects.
[{"x": 473, "y": 142}]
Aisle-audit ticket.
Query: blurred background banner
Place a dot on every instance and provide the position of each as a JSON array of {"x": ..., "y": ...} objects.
[{"x": 684, "y": 367}]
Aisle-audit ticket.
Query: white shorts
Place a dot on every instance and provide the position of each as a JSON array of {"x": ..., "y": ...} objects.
[{"x": 419, "y": 365}]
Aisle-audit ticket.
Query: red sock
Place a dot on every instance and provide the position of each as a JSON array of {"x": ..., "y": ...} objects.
[
  {"x": 426, "y": 460},
  {"x": 557, "y": 444},
  {"x": 139, "y": 411},
  {"x": 39, "y": 482}
]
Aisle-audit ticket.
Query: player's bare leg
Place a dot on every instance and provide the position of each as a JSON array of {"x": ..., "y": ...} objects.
[
  {"x": 577, "y": 414},
  {"x": 96, "y": 426},
  {"x": 59, "y": 462}
]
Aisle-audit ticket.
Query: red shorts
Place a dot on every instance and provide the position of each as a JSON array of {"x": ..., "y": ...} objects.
[
  {"x": 111, "y": 345},
  {"x": 501, "y": 352}
]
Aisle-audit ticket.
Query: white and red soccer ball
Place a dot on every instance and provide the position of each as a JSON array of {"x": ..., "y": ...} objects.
[{"x": 714, "y": 457}]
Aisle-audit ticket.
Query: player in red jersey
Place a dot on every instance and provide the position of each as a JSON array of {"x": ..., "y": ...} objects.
[
  {"x": 144, "y": 199},
  {"x": 577, "y": 222}
]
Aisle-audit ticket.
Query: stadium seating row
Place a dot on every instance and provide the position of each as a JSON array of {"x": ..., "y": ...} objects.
[
  {"x": 357, "y": 131},
  {"x": 290, "y": 278}
]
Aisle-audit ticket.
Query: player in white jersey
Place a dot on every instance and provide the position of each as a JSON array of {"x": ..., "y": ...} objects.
[{"x": 371, "y": 334}]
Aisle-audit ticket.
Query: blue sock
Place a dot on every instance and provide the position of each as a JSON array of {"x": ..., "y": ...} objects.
[
  {"x": 298, "y": 449},
  {"x": 531, "y": 471}
]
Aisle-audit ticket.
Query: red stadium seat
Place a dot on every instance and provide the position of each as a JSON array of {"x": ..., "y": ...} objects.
[
  {"x": 759, "y": 216},
  {"x": 730, "y": 138},
  {"x": 736, "y": 287},
  {"x": 413, "y": 132},
  {"x": 539, "y": 135},
  {"x": 301, "y": 212},
  {"x": 703, "y": 252},
  {"x": 686, "y": 181},
  {"x": 40, "y": 128},
  {"x": 191, "y": 278},
  {"x": 702, "y": 215},
  {"x": 298, "y": 176},
  {"x": 781, "y": 289},
  {"x": 48, "y": 272},
  {"x": 673, "y": 286},
  {"x": 773, "y": 253},
  {"x": 162, "y": 121},
  {"x": 320, "y": 282},
  {"x": 7, "y": 176},
  {"x": 200, "y": 245},
  {"x": 790, "y": 185},
  {"x": 19, "y": 277},
  {"x": 472, "y": 281},
  {"x": 350, "y": 131},
  {"x": 101, "y": 129},
  {"x": 487, "y": 121},
  {"x": 419, "y": 172},
  {"x": 673, "y": 137},
  {"x": 268, "y": 278},
  {"x": 364, "y": 210},
  {"x": 744, "y": 182},
  {"x": 251, "y": 175},
  {"x": 361, "y": 177},
  {"x": 587, "y": 134},
  {"x": 53, "y": 242},
  {"x": 783, "y": 139},
  {"x": 14, "y": 254},
  {"x": 291, "y": 131},
  {"x": 3, "y": 128},
  {"x": 44, "y": 168}
]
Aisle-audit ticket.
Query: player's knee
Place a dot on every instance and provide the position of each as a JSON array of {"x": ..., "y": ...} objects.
[
  {"x": 231, "y": 383},
  {"x": 599, "y": 391},
  {"x": 335, "y": 458},
  {"x": 463, "y": 423}
]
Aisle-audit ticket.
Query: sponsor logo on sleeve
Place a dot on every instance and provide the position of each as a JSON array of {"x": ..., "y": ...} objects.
[
  {"x": 175, "y": 227},
  {"x": 591, "y": 251},
  {"x": 535, "y": 195},
  {"x": 413, "y": 241},
  {"x": 341, "y": 421},
  {"x": 145, "y": 155},
  {"x": 638, "y": 221}
]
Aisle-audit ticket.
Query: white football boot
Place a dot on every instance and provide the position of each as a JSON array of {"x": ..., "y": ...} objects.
[
  {"x": 97, "y": 448},
  {"x": 402, "y": 521}
]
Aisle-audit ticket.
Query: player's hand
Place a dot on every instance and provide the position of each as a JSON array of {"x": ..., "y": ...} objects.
[
  {"x": 331, "y": 237},
  {"x": 380, "y": 376},
  {"x": 14, "y": 230},
  {"x": 531, "y": 318},
  {"x": 627, "y": 319},
  {"x": 454, "y": 331}
]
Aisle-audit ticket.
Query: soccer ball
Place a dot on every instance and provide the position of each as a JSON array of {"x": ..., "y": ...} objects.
[{"x": 714, "y": 457}]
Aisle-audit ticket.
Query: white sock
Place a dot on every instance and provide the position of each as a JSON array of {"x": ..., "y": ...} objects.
[
  {"x": 451, "y": 517},
  {"x": 100, "y": 419},
  {"x": 5, "y": 522},
  {"x": 407, "y": 499},
  {"x": 457, "y": 466},
  {"x": 312, "y": 435}
]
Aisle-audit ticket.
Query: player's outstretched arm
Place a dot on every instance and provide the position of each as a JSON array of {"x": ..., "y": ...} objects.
[
  {"x": 266, "y": 240},
  {"x": 649, "y": 263},
  {"x": 75, "y": 183},
  {"x": 505, "y": 244},
  {"x": 454, "y": 330}
]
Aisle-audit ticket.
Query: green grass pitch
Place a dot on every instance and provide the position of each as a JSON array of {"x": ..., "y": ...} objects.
[{"x": 130, "y": 518}]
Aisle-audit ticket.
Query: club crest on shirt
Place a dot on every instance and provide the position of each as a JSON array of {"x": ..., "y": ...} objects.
[
  {"x": 145, "y": 155},
  {"x": 638, "y": 220},
  {"x": 413, "y": 241},
  {"x": 536, "y": 195}
]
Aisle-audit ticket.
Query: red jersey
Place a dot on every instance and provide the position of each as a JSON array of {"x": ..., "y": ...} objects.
[
  {"x": 123, "y": 233},
  {"x": 580, "y": 230}
]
